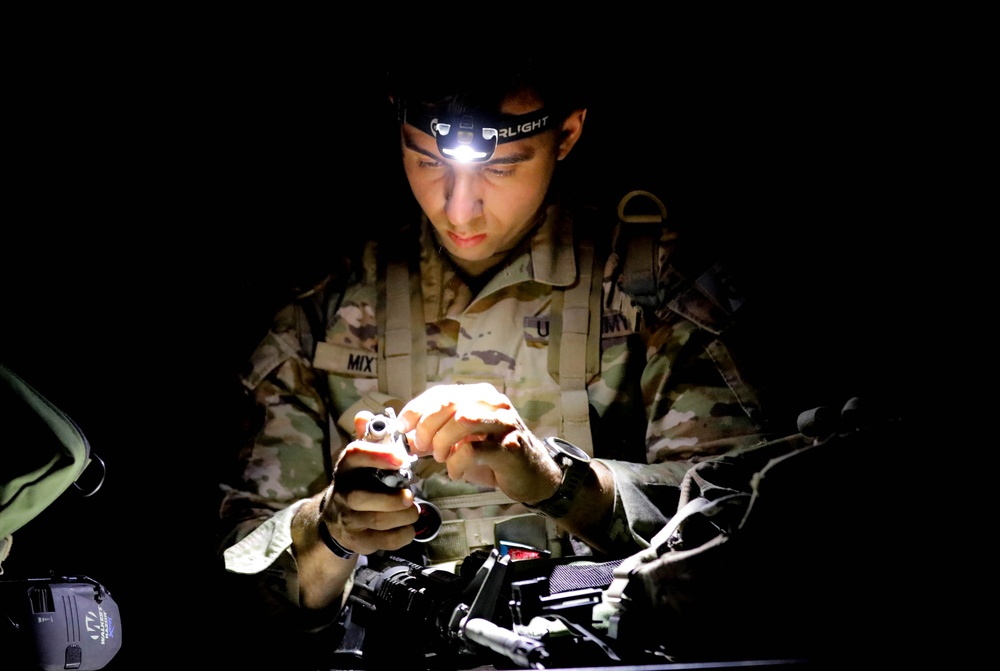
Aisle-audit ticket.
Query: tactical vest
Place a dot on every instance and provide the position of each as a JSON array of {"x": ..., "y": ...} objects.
[
  {"x": 573, "y": 359},
  {"x": 575, "y": 336},
  {"x": 573, "y": 355}
]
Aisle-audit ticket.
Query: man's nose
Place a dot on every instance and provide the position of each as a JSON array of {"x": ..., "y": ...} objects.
[{"x": 463, "y": 202}]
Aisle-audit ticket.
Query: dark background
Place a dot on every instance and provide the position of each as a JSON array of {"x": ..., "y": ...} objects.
[{"x": 160, "y": 206}]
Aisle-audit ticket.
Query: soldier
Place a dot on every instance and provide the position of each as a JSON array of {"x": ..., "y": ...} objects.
[{"x": 548, "y": 400}]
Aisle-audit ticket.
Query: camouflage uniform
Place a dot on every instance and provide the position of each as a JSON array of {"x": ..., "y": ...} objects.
[{"x": 666, "y": 392}]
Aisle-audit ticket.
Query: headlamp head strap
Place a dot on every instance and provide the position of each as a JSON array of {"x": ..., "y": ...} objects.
[{"x": 472, "y": 135}]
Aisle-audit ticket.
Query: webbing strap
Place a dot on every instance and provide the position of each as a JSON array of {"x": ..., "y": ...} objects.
[
  {"x": 579, "y": 348},
  {"x": 402, "y": 337},
  {"x": 457, "y": 538},
  {"x": 575, "y": 335},
  {"x": 494, "y": 498},
  {"x": 641, "y": 231}
]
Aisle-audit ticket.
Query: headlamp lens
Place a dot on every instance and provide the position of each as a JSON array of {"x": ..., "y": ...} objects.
[{"x": 467, "y": 143}]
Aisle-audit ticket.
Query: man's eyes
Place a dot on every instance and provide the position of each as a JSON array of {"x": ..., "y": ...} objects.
[
  {"x": 496, "y": 171},
  {"x": 491, "y": 171}
]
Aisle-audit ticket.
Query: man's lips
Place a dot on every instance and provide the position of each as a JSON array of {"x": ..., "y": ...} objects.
[{"x": 466, "y": 242}]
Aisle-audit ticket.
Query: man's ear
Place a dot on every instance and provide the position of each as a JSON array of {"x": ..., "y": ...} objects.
[{"x": 571, "y": 129}]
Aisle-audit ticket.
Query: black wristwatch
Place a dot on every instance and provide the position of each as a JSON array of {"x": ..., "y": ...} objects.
[{"x": 575, "y": 464}]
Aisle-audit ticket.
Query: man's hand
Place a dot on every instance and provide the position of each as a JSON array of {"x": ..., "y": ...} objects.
[
  {"x": 476, "y": 431},
  {"x": 366, "y": 520}
]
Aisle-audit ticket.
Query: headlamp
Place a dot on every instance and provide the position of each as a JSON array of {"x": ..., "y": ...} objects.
[
  {"x": 473, "y": 136},
  {"x": 466, "y": 142}
]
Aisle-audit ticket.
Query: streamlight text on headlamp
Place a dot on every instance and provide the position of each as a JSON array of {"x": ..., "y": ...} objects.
[{"x": 472, "y": 136}]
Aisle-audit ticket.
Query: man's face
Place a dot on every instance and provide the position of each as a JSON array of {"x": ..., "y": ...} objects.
[{"x": 482, "y": 210}]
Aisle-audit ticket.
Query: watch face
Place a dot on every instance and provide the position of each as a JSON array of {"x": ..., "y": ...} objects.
[{"x": 569, "y": 449}]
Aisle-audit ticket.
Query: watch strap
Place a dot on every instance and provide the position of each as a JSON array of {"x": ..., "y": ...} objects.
[
  {"x": 573, "y": 473},
  {"x": 327, "y": 538},
  {"x": 331, "y": 542}
]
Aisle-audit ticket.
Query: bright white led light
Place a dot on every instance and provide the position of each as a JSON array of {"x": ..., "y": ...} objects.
[{"x": 463, "y": 153}]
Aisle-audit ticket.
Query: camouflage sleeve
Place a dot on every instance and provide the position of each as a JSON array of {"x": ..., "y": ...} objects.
[
  {"x": 281, "y": 463},
  {"x": 697, "y": 406},
  {"x": 697, "y": 402},
  {"x": 645, "y": 497}
]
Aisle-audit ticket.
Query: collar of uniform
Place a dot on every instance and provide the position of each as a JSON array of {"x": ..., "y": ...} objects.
[
  {"x": 553, "y": 259},
  {"x": 548, "y": 255}
]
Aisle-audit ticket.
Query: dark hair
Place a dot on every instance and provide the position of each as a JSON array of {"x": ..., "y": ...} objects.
[{"x": 470, "y": 84}]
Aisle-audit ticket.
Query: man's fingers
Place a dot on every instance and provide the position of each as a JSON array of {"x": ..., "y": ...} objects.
[
  {"x": 438, "y": 437},
  {"x": 367, "y": 541},
  {"x": 473, "y": 462},
  {"x": 372, "y": 455},
  {"x": 444, "y": 415},
  {"x": 361, "y": 420},
  {"x": 361, "y": 521},
  {"x": 366, "y": 522},
  {"x": 365, "y": 501}
]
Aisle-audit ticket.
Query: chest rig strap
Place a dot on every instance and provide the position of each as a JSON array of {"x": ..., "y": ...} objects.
[
  {"x": 402, "y": 339},
  {"x": 574, "y": 358},
  {"x": 574, "y": 347},
  {"x": 641, "y": 227},
  {"x": 574, "y": 341}
]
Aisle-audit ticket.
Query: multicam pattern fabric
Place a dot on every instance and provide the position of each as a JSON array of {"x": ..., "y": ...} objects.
[{"x": 667, "y": 393}]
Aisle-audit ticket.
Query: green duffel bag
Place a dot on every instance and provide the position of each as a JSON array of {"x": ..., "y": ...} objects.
[{"x": 43, "y": 454}]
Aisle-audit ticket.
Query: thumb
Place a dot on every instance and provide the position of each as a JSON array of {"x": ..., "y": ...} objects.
[{"x": 361, "y": 420}]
